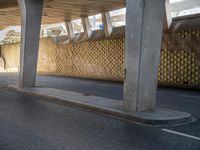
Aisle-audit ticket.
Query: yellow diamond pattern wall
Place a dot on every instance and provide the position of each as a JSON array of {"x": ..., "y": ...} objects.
[{"x": 104, "y": 59}]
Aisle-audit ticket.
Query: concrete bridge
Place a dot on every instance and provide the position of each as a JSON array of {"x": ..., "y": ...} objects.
[
  {"x": 52, "y": 123},
  {"x": 143, "y": 39},
  {"x": 145, "y": 21}
]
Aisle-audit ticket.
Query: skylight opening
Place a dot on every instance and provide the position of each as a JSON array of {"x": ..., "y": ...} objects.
[
  {"x": 96, "y": 22},
  {"x": 77, "y": 26},
  {"x": 118, "y": 17},
  {"x": 186, "y": 12}
]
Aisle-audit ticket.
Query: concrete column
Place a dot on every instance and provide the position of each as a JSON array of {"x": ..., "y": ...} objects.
[
  {"x": 168, "y": 16},
  {"x": 31, "y": 14},
  {"x": 86, "y": 27},
  {"x": 107, "y": 23},
  {"x": 70, "y": 29},
  {"x": 144, "y": 24}
]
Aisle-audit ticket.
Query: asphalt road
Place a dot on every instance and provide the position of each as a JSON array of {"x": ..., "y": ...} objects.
[{"x": 29, "y": 123}]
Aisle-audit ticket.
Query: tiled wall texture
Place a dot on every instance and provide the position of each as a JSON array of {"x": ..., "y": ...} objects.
[{"x": 104, "y": 59}]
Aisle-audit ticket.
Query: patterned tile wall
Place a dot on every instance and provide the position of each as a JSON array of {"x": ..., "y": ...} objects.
[
  {"x": 180, "y": 58},
  {"x": 104, "y": 59}
]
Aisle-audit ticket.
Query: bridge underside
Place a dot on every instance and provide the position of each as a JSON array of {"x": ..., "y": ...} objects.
[
  {"x": 55, "y": 11},
  {"x": 144, "y": 25}
]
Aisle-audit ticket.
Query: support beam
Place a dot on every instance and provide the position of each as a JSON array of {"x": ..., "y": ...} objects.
[
  {"x": 144, "y": 24},
  {"x": 70, "y": 30},
  {"x": 31, "y": 14},
  {"x": 86, "y": 27},
  {"x": 168, "y": 16},
  {"x": 107, "y": 23}
]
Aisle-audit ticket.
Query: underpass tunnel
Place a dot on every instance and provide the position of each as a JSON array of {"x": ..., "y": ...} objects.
[{"x": 71, "y": 48}]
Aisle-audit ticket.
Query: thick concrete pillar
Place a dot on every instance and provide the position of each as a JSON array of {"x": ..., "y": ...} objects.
[
  {"x": 70, "y": 30},
  {"x": 144, "y": 24},
  {"x": 107, "y": 23},
  {"x": 31, "y": 14},
  {"x": 168, "y": 16},
  {"x": 86, "y": 27}
]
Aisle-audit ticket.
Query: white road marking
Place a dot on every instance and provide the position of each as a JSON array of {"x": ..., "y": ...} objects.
[
  {"x": 182, "y": 134},
  {"x": 196, "y": 97}
]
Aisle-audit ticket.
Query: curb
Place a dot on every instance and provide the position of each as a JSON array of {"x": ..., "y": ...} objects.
[{"x": 140, "y": 117}]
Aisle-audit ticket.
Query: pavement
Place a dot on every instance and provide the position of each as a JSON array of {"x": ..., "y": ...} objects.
[
  {"x": 114, "y": 108},
  {"x": 29, "y": 123}
]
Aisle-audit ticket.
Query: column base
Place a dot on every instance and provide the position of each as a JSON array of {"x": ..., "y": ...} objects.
[{"x": 108, "y": 106}]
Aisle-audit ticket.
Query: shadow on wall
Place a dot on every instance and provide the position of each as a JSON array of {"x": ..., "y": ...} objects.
[
  {"x": 10, "y": 54},
  {"x": 2, "y": 65},
  {"x": 4, "y": 69}
]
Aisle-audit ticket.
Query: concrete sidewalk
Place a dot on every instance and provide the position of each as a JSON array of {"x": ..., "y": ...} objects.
[{"x": 108, "y": 106}]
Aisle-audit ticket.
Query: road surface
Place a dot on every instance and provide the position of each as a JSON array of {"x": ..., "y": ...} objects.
[{"x": 29, "y": 123}]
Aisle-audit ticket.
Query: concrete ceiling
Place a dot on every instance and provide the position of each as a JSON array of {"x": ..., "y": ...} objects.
[{"x": 56, "y": 11}]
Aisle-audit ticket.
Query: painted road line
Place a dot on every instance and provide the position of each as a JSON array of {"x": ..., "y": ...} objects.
[
  {"x": 182, "y": 134},
  {"x": 196, "y": 97}
]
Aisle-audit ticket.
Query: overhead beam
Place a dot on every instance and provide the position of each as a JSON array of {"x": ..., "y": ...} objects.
[
  {"x": 70, "y": 30},
  {"x": 107, "y": 23},
  {"x": 144, "y": 24},
  {"x": 185, "y": 23},
  {"x": 8, "y": 5},
  {"x": 31, "y": 16},
  {"x": 86, "y": 27}
]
